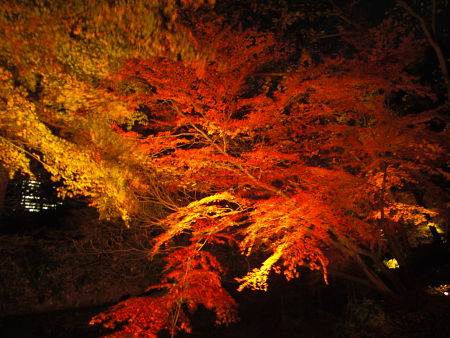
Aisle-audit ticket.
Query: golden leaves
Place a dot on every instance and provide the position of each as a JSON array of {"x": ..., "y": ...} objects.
[
  {"x": 215, "y": 207},
  {"x": 257, "y": 279},
  {"x": 25, "y": 133},
  {"x": 285, "y": 165},
  {"x": 14, "y": 158}
]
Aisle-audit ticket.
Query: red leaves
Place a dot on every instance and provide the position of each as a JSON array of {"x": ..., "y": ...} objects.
[
  {"x": 286, "y": 166},
  {"x": 192, "y": 278}
]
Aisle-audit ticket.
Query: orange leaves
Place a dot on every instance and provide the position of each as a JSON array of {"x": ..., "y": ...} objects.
[
  {"x": 303, "y": 253},
  {"x": 215, "y": 208},
  {"x": 239, "y": 148},
  {"x": 300, "y": 149}
]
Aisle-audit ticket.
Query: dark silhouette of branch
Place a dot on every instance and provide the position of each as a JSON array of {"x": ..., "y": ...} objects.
[{"x": 432, "y": 40}]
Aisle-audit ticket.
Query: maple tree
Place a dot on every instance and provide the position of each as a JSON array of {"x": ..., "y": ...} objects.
[{"x": 295, "y": 162}]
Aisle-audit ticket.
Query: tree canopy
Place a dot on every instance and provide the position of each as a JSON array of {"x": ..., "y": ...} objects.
[{"x": 221, "y": 134}]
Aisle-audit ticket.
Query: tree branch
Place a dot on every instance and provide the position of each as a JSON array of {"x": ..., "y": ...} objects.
[
  {"x": 431, "y": 38},
  {"x": 433, "y": 17},
  {"x": 340, "y": 13}
]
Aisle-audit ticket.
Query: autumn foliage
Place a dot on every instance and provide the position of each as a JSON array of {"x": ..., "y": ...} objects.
[{"x": 296, "y": 161}]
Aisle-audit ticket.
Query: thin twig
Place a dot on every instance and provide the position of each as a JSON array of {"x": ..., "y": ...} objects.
[{"x": 431, "y": 38}]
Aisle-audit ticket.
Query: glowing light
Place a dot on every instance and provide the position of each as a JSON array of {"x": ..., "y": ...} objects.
[
  {"x": 32, "y": 201},
  {"x": 443, "y": 290},
  {"x": 391, "y": 263}
]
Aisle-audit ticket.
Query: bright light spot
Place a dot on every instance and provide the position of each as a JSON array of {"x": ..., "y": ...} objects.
[
  {"x": 442, "y": 290},
  {"x": 391, "y": 263},
  {"x": 32, "y": 199}
]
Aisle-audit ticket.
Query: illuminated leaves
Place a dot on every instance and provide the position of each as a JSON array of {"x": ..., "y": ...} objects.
[
  {"x": 296, "y": 165},
  {"x": 78, "y": 167},
  {"x": 211, "y": 208},
  {"x": 257, "y": 279},
  {"x": 91, "y": 39},
  {"x": 192, "y": 278},
  {"x": 14, "y": 158}
]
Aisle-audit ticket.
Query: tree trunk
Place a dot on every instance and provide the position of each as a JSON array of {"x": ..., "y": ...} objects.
[{"x": 4, "y": 179}]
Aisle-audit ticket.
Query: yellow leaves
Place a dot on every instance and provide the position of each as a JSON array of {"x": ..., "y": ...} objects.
[
  {"x": 14, "y": 158},
  {"x": 96, "y": 162},
  {"x": 89, "y": 39},
  {"x": 101, "y": 179},
  {"x": 391, "y": 263},
  {"x": 75, "y": 94},
  {"x": 85, "y": 60},
  {"x": 224, "y": 196},
  {"x": 81, "y": 98},
  {"x": 257, "y": 279},
  {"x": 210, "y": 207}
]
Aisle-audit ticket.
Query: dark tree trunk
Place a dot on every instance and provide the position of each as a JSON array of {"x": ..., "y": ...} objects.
[{"x": 4, "y": 179}]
